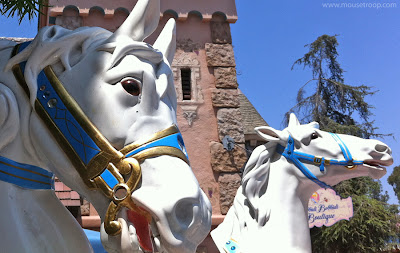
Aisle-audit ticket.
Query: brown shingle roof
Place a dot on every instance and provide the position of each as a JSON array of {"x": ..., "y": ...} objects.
[{"x": 251, "y": 117}]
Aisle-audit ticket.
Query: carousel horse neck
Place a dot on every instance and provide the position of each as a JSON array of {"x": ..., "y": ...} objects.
[
  {"x": 98, "y": 163},
  {"x": 296, "y": 157}
]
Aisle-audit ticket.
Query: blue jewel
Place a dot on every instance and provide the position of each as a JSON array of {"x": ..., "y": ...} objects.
[{"x": 46, "y": 94}]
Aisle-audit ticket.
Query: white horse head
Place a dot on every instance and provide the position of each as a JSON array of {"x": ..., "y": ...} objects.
[
  {"x": 271, "y": 206},
  {"x": 123, "y": 92}
]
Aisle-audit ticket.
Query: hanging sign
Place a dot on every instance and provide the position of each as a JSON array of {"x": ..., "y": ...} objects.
[{"x": 325, "y": 207}]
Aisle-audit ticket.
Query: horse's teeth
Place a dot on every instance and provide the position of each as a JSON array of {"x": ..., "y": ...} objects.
[
  {"x": 154, "y": 229},
  {"x": 377, "y": 167},
  {"x": 134, "y": 239},
  {"x": 157, "y": 243},
  {"x": 132, "y": 230}
]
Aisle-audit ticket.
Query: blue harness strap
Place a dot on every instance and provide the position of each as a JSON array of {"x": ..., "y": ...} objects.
[
  {"x": 296, "y": 157},
  {"x": 173, "y": 141},
  {"x": 24, "y": 175},
  {"x": 100, "y": 165}
]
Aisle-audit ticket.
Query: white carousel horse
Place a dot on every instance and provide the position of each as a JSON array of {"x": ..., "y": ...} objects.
[
  {"x": 97, "y": 109},
  {"x": 270, "y": 210}
]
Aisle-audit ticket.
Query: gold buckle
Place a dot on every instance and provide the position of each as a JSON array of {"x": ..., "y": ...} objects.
[
  {"x": 350, "y": 165},
  {"x": 120, "y": 194},
  {"x": 317, "y": 160}
]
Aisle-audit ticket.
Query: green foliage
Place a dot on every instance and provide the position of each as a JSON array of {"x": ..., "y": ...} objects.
[
  {"x": 341, "y": 108},
  {"x": 367, "y": 232},
  {"x": 334, "y": 104},
  {"x": 394, "y": 180},
  {"x": 21, "y": 8}
]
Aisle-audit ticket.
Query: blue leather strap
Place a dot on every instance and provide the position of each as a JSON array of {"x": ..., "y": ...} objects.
[
  {"x": 173, "y": 140},
  {"x": 296, "y": 157},
  {"x": 25, "y": 176},
  {"x": 109, "y": 178},
  {"x": 83, "y": 146},
  {"x": 293, "y": 156},
  {"x": 81, "y": 142}
]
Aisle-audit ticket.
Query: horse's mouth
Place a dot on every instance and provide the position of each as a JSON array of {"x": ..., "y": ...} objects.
[
  {"x": 377, "y": 164},
  {"x": 144, "y": 233},
  {"x": 376, "y": 168},
  {"x": 156, "y": 237}
]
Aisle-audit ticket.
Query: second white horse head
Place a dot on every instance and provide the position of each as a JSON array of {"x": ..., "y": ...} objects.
[{"x": 270, "y": 210}]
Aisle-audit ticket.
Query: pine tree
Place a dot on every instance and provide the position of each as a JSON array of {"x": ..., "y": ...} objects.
[
  {"x": 341, "y": 108},
  {"x": 334, "y": 104},
  {"x": 394, "y": 180}
]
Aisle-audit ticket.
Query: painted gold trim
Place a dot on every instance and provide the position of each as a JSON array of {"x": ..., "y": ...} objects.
[
  {"x": 18, "y": 73},
  {"x": 20, "y": 79},
  {"x": 108, "y": 157},
  {"x": 166, "y": 132},
  {"x": 98, "y": 163},
  {"x": 159, "y": 151},
  {"x": 112, "y": 226},
  {"x": 52, "y": 127},
  {"x": 136, "y": 173},
  {"x": 79, "y": 115},
  {"x": 102, "y": 185},
  {"x": 351, "y": 167},
  {"x": 64, "y": 144}
]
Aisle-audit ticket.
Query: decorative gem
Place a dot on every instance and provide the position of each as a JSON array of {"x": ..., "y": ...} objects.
[
  {"x": 46, "y": 94},
  {"x": 52, "y": 103}
]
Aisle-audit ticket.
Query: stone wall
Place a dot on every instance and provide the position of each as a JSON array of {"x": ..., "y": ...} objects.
[{"x": 225, "y": 100}]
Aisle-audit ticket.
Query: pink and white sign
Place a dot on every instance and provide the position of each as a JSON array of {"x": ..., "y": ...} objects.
[{"x": 327, "y": 208}]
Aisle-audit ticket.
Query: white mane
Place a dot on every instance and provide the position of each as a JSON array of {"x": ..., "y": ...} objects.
[
  {"x": 62, "y": 49},
  {"x": 54, "y": 41},
  {"x": 50, "y": 41},
  {"x": 250, "y": 199}
]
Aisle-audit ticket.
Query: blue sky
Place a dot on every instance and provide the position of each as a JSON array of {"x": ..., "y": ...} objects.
[{"x": 270, "y": 35}]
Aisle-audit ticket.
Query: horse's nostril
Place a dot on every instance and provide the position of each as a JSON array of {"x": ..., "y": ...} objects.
[
  {"x": 381, "y": 147},
  {"x": 184, "y": 213}
]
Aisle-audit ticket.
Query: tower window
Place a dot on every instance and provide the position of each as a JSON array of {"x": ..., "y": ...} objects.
[{"x": 186, "y": 84}]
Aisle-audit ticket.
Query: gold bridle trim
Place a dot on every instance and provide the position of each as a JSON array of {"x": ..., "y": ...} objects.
[{"x": 109, "y": 158}]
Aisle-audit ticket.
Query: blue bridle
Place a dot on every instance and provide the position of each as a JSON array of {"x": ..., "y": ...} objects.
[
  {"x": 296, "y": 157},
  {"x": 115, "y": 173}
]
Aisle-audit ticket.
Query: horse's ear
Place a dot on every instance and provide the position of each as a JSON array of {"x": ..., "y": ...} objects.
[
  {"x": 141, "y": 22},
  {"x": 270, "y": 134},
  {"x": 166, "y": 42},
  {"x": 293, "y": 121}
]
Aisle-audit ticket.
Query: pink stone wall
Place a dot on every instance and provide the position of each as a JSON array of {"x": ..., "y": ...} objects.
[{"x": 109, "y": 10}]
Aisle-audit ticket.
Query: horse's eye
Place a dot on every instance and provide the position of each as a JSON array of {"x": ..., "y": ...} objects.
[
  {"x": 132, "y": 86},
  {"x": 314, "y": 136}
]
